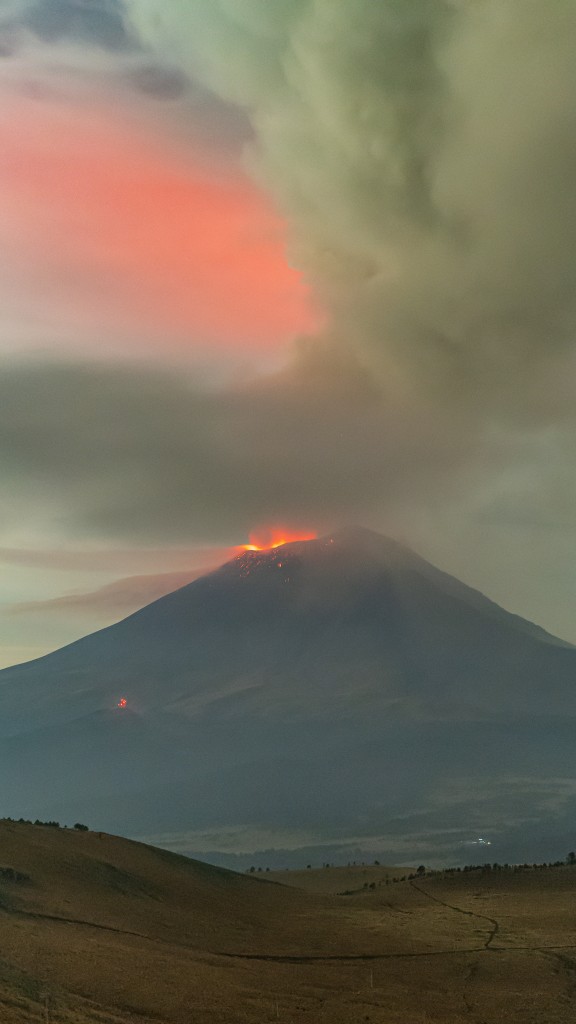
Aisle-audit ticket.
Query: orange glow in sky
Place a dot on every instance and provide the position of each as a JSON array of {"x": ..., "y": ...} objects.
[
  {"x": 274, "y": 536},
  {"x": 102, "y": 222}
]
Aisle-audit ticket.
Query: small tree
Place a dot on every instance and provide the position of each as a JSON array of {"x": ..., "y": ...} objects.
[
  {"x": 420, "y": 870},
  {"x": 571, "y": 858},
  {"x": 80, "y": 827}
]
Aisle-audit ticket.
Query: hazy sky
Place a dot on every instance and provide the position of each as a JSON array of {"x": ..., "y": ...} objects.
[{"x": 301, "y": 262}]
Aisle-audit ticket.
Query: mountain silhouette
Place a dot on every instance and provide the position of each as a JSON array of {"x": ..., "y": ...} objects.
[{"x": 342, "y": 685}]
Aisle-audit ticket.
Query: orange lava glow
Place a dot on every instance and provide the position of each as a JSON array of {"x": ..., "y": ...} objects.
[
  {"x": 269, "y": 537},
  {"x": 122, "y": 703}
]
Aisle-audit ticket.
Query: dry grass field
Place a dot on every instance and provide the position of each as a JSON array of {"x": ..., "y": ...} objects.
[
  {"x": 105, "y": 931},
  {"x": 333, "y": 881}
]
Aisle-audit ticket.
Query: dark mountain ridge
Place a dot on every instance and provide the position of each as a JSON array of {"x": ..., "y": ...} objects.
[{"x": 331, "y": 681}]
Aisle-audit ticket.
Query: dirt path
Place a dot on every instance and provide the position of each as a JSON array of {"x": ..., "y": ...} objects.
[
  {"x": 287, "y": 958},
  {"x": 495, "y": 927}
]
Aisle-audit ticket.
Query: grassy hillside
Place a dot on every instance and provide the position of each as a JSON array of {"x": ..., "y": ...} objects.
[
  {"x": 99, "y": 930},
  {"x": 334, "y": 881}
]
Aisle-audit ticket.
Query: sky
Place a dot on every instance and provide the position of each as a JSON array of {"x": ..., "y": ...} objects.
[{"x": 292, "y": 264}]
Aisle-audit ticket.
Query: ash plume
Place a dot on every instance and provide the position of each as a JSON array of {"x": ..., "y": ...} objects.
[{"x": 424, "y": 155}]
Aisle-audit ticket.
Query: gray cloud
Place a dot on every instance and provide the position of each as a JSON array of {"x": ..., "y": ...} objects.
[
  {"x": 125, "y": 453},
  {"x": 153, "y": 560},
  {"x": 133, "y": 452},
  {"x": 424, "y": 154},
  {"x": 102, "y": 24},
  {"x": 163, "y": 83},
  {"x": 113, "y": 600},
  {"x": 97, "y": 22}
]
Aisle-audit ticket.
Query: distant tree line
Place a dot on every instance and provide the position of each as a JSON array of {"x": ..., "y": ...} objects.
[
  {"x": 484, "y": 869},
  {"x": 423, "y": 872},
  {"x": 49, "y": 824}
]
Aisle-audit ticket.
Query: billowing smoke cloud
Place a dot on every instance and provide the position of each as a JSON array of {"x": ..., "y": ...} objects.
[
  {"x": 425, "y": 155},
  {"x": 132, "y": 452}
]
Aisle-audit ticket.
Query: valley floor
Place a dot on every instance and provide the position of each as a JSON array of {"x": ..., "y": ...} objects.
[{"x": 98, "y": 930}]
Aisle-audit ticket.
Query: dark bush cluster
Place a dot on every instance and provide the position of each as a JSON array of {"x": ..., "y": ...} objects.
[{"x": 11, "y": 875}]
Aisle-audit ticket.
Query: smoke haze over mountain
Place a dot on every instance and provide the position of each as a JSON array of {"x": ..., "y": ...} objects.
[{"x": 409, "y": 362}]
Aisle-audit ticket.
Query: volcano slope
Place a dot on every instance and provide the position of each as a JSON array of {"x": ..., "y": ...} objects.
[
  {"x": 344, "y": 683},
  {"x": 99, "y": 930}
]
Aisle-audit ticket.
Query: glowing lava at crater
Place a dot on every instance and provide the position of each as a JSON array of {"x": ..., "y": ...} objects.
[
  {"x": 122, "y": 703},
  {"x": 267, "y": 538}
]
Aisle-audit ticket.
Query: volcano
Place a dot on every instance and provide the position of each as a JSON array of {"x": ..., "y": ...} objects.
[{"x": 340, "y": 690}]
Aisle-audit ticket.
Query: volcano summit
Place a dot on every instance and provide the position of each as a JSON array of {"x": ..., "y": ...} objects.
[{"x": 341, "y": 688}]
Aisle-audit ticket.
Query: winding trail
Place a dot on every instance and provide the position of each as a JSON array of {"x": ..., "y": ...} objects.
[
  {"x": 287, "y": 958},
  {"x": 359, "y": 957},
  {"x": 469, "y": 913}
]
